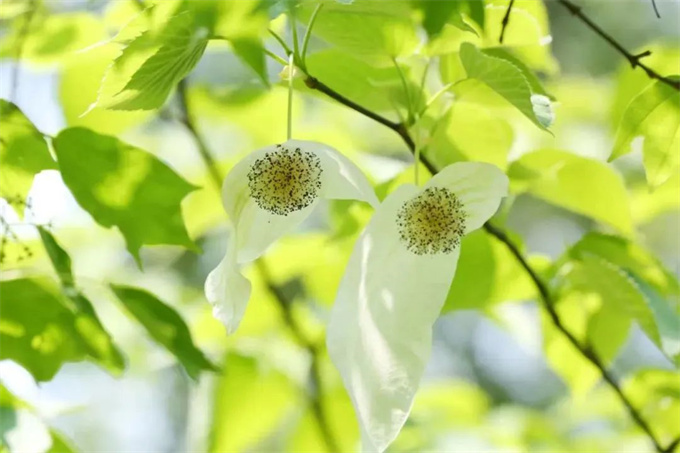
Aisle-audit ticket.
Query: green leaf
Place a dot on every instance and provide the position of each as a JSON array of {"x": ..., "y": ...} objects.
[
  {"x": 656, "y": 393},
  {"x": 630, "y": 257},
  {"x": 528, "y": 73},
  {"x": 96, "y": 339},
  {"x": 60, "y": 444},
  {"x": 436, "y": 14},
  {"x": 23, "y": 153},
  {"x": 585, "y": 186},
  {"x": 182, "y": 45},
  {"x": 59, "y": 258},
  {"x": 527, "y": 33},
  {"x": 655, "y": 115},
  {"x": 617, "y": 299},
  {"x": 366, "y": 29},
  {"x": 165, "y": 326},
  {"x": 487, "y": 274},
  {"x": 251, "y": 52},
  {"x": 243, "y": 391},
  {"x": 124, "y": 186},
  {"x": 502, "y": 76},
  {"x": 457, "y": 138},
  {"x": 52, "y": 37},
  {"x": 36, "y": 330},
  {"x": 667, "y": 318},
  {"x": 372, "y": 87},
  {"x": 80, "y": 78},
  {"x": 664, "y": 58}
]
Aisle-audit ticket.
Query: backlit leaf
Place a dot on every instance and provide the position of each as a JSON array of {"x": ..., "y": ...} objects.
[
  {"x": 165, "y": 326},
  {"x": 580, "y": 184},
  {"x": 366, "y": 29},
  {"x": 182, "y": 45},
  {"x": 36, "y": 330},
  {"x": 96, "y": 339},
  {"x": 655, "y": 115},
  {"x": 23, "y": 152},
  {"x": 502, "y": 76},
  {"x": 123, "y": 186}
]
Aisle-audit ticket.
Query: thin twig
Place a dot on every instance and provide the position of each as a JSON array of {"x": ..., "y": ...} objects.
[
  {"x": 658, "y": 16},
  {"x": 506, "y": 20},
  {"x": 189, "y": 122},
  {"x": 316, "y": 392},
  {"x": 308, "y": 34},
  {"x": 545, "y": 296},
  {"x": 316, "y": 382},
  {"x": 633, "y": 59}
]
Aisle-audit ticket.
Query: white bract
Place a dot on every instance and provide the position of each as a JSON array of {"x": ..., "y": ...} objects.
[
  {"x": 395, "y": 285},
  {"x": 267, "y": 194}
]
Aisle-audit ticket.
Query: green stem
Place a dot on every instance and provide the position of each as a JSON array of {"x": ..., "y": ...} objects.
[
  {"x": 294, "y": 33},
  {"x": 280, "y": 40},
  {"x": 275, "y": 57},
  {"x": 291, "y": 72},
  {"x": 308, "y": 35},
  {"x": 407, "y": 92}
]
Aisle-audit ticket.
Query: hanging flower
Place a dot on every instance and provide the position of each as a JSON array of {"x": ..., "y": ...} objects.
[
  {"x": 395, "y": 285},
  {"x": 267, "y": 194}
]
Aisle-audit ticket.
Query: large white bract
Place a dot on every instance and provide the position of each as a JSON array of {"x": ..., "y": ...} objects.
[
  {"x": 394, "y": 287},
  {"x": 267, "y": 194}
]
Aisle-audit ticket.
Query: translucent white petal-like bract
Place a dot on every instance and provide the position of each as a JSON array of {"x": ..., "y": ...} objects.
[
  {"x": 397, "y": 280},
  {"x": 266, "y": 195}
]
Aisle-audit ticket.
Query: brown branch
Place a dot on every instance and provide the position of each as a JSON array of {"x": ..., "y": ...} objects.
[
  {"x": 633, "y": 59},
  {"x": 543, "y": 289},
  {"x": 506, "y": 20},
  {"x": 315, "y": 379}
]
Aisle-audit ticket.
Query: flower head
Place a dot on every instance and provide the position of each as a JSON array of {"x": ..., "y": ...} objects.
[
  {"x": 267, "y": 194},
  {"x": 397, "y": 280}
]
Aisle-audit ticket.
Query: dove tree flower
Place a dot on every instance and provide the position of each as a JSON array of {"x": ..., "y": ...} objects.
[
  {"x": 396, "y": 282},
  {"x": 267, "y": 194}
]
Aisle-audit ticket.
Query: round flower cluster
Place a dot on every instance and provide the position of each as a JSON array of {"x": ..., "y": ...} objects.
[
  {"x": 285, "y": 180},
  {"x": 433, "y": 222}
]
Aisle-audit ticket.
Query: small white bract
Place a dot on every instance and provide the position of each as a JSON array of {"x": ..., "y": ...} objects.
[
  {"x": 267, "y": 194},
  {"x": 395, "y": 284}
]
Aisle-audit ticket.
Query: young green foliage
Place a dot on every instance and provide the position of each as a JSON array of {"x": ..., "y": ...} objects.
[
  {"x": 577, "y": 183},
  {"x": 182, "y": 43},
  {"x": 97, "y": 340},
  {"x": 655, "y": 115},
  {"x": 165, "y": 326},
  {"x": 503, "y": 77},
  {"x": 38, "y": 331},
  {"x": 23, "y": 152},
  {"x": 123, "y": 186}
]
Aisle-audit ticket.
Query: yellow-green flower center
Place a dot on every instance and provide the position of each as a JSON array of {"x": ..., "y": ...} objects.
[
  {"x": 285, "y": 180},
  {"x": 433, "y": 222}
]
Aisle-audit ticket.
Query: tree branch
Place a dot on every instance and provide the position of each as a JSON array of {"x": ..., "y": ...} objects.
[
  {"x": 542, "y": 288},
  {"x": 506, "y": 20},
  {"x": 316, "y": 382},
  {"x": 633, "y": 59},
  {"x": 316, "y": 389}
]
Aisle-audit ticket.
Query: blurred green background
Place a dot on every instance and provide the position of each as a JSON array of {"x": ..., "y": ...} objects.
[{"x": 500, "y": 377}]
